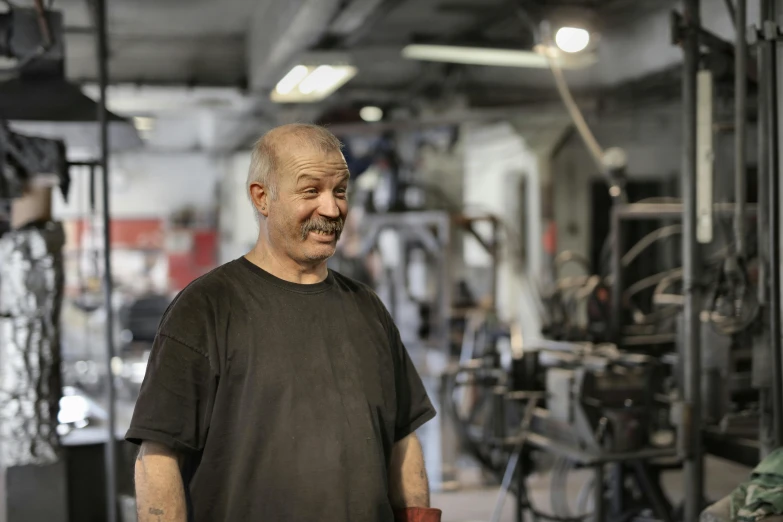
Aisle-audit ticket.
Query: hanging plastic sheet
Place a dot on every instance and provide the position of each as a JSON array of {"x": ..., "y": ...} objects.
[{"x": 31, "y": 286}]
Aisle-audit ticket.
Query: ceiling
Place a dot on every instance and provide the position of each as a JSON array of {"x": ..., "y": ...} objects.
[
  {"x": 247, "y": 45},
  {"x": 204, "y": 42}
]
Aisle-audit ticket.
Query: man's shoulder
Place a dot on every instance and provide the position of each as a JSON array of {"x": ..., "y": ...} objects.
[
  {"x": 348, "y": 284},
  {"x": 361, "y": 292},
  {"x": 202, "y": 295}
]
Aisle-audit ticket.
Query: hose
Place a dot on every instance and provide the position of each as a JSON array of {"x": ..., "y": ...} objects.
[
  {"x": 577, "y": 117},
  {"x": 649, "y": 240}
]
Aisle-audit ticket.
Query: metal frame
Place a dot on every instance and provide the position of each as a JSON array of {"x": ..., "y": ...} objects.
[
  {"x": 98, "y": 7},
  {"x": 771, "y": 79},
  {"x": 433, "y": 230},
  {"x": 642, "y": 212},
  {"x": 690, "y": 420},
  {"x": 592, "y": 459}
]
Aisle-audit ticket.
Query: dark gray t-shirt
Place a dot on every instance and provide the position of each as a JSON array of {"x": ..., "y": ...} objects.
[{"x": 286, "y": 398}]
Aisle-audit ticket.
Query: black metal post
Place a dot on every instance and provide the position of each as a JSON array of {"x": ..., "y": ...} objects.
[
  {"x": 103, "y": 74},
  {"x": 692, "y": 417},
  {"x": 92, "y": 188},
  {"x": 617, "y": 276},
  {"x": 740, "y": 123},
  {"x": 499, "y": 413},
  {"x": 599, "y": 510},
  {"x": 521, "y": 498},
  {"x": 762, "y": 187},
  {"x": 773, "y": 110}
]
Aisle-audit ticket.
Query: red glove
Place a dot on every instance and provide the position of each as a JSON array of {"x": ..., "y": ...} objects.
[{"x": 417, "y": 515}]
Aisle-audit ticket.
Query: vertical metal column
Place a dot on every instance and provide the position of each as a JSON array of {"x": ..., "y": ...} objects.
[
  {"x": 767, "y": 411},
  {"x": 774, "y": 111},
  {"x": 694, "y": 465},
  {"x": 740, "y": 123},
  {"x": 617, "y": 275},
  {"x": 599, "y": 511},
  {"x": 762, "y": 187},
  {"x": 103, "y": 76}
]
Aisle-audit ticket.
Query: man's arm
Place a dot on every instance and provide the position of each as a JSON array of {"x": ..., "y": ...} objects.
[
  {"x": 408, "y": 484},
  {"x": 409, "y": 489},
  {"x": 160, "y": 494}
]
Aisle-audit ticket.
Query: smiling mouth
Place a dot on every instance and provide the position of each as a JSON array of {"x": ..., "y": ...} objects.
[{"x": 325, "y": 235}]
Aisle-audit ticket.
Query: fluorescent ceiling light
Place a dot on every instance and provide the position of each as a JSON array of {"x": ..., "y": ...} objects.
[
  {"x": 371, "y": 114},
  {"x": 572, "y": 39},
  {"x": 322, "y": 79},
  {"x": 492, "y": 57},
  {"x": 310, "y": 83},
  {"x": 292, "y": 79}
]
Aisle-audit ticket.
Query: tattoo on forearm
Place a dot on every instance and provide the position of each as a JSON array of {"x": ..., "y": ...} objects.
[{"x": 157, "y": 512}]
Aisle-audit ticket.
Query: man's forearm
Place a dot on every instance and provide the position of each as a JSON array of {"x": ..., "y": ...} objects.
[
  {"x": 408, "y": 484},
  {"x": 160, "y": 494}
]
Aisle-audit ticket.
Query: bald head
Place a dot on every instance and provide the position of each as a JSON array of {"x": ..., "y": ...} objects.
[{"x": 273, "y": 148}]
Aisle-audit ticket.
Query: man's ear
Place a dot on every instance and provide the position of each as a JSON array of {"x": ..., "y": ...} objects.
[{"x": 260, "y": 197}]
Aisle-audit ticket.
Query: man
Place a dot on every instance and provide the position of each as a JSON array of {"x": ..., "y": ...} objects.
[{"x": 278, "y": 390}]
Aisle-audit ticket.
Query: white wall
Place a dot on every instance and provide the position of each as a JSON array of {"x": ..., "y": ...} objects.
[
  {"x": 146, "y": 184},
  {"x": 652, "y": 139},
  {"x": 238, "y": 226},
  {"x": 497, "y": 160}
]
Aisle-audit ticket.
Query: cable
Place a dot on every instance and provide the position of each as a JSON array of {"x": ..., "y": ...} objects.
[
  {"x": 732, "y": 12},
  {"x": 648, "y": 281},
  {"x": 43, "y": 24},
  {"x": 732, "y": 284},
  {"x": 648, "y": 240},
  {"x": 584, "y": 495}
]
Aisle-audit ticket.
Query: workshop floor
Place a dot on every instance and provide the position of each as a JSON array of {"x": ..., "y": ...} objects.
[{"x": 476, "y": 504}]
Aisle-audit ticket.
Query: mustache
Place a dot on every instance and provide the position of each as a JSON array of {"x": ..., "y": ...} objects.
[{"x": 326, "y": 226}]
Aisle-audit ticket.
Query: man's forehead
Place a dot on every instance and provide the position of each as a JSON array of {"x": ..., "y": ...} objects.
[{"x": 298, "y": 153}]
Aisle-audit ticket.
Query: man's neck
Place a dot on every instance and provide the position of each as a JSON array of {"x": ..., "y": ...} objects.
[{"x": 282, "y": 267}]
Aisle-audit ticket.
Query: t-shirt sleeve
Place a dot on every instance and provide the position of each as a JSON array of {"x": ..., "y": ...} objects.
[
  {"x": 176, "y": 398},
  {"x": 414, "y": 407}
]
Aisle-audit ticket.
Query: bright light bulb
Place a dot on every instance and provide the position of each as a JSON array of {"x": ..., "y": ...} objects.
[
  {"x": 292, "y": 79},
  {"x": 371, "y": 114},
  {"x": 572, "y": 39}
]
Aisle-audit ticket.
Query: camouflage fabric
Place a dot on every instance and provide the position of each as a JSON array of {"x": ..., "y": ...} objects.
[{"x": 762, "y": 496}]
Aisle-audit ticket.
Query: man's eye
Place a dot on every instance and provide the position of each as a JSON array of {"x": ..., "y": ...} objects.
[{"x": 311, "y": 191}]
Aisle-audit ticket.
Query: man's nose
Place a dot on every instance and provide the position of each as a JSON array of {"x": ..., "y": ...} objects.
[{"x": 328, "y": 206}]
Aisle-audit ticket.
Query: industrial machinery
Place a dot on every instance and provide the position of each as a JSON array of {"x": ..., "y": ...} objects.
[{"x": 638, "y": 376}]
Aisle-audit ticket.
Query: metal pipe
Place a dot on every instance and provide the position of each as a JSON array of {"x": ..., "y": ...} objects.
[
  {"x": 43, "y": 24},
  {"x": 774, "y": 307},
  {"x": 732, "y": 12},
  {"x": 767, "y": 404},
  {"x": 617, "y": 277},
  {"x": 691, "y": 421},
  {"x": 599, "y": 510},
  {"x": 740, "y": 124},
  {"x": 495, "y": 252},
  {"x": 92, "y": 189},
  {"x": 762, "y": 186},
  {"x": 103, "y": 120}
]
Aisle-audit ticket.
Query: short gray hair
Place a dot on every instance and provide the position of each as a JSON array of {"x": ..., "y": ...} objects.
[{"x": 265, "y": 159}]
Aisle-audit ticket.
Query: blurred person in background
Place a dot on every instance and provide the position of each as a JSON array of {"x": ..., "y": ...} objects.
[{"x": 278, "y": 389}]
